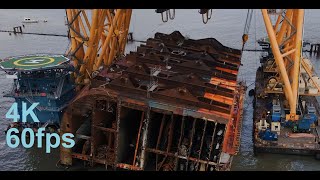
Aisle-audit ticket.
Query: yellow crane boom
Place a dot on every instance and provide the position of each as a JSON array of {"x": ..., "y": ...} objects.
[
  {"x": 97, "y": 42},
  {"x": 286, "y": 44}
]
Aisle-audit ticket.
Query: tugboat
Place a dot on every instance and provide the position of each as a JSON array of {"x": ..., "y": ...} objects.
[{"x": 43, "y": 79}]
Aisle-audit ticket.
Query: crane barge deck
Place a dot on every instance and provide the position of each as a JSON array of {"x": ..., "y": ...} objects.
[{"x": 272, "y": 133}]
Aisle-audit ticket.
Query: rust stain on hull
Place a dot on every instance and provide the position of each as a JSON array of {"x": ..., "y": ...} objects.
[{"x": 174, "y": 104}]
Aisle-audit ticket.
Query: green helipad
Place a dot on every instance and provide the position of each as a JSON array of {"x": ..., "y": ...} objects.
[{"x": 33, "y": 62}]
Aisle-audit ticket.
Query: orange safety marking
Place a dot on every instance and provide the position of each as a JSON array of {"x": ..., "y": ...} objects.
[
  {"x": 219, "y": 98},
  {"x": 231, "y": 141},
  {"x": 235, "y": 72},
  {"x": 223, "y": 81}
]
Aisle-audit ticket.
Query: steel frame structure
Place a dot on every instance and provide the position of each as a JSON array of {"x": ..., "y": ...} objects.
[
  {"x": 286, "y": 44},
  {"x": 97, "y": 42}
]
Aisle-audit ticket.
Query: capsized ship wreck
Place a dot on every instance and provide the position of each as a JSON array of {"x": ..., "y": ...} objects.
[
  {"x": 174, "y": 104},
  {"x": 43, "y": 79},
  {"x": 271, "y": 132}
]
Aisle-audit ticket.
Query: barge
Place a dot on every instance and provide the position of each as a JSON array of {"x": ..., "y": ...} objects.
[{"x": 272, "y": 133}]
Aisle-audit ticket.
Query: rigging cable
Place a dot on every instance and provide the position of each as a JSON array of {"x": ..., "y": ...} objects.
[
  {"x": 255, "y": 37},
  {"x": 246, "y": 31},
  {"x": 245, "y": 36}
]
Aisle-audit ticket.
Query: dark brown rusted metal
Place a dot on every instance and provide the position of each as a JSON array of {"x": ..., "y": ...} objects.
[
  {"x": 169, "y": 140},
  {"x": 144, "y": 139},
  {"x": 192, "y": 81},
  {"x": 211, "y": 144},
  {"x": 181, "y": 157},
  {"x": 159, "y": 138},
  {"x": 202, "y": 139},
  {"x": 191, "y": 141},
  {"x": 118, "y": 113},
  {"x": 138, "y": 139},
  {"x": 105, "y": 129}
]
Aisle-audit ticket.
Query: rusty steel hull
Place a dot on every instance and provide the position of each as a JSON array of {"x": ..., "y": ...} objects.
[{"x": 174, "y": 104}]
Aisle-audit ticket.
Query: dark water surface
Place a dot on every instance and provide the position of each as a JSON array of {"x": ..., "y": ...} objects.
[{"x": 226, "y": 26}]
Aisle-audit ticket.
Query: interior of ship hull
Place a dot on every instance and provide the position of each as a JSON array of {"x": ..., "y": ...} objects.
[{"x": 173, "y": 105}]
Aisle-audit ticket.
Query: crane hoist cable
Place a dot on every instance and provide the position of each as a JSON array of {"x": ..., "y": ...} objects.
[{"x": 245, "y": 35}]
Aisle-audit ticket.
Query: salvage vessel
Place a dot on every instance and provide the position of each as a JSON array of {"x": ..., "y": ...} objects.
[
  {"x": 43, "y": 79},
  {"x": 272, "y": 133}
]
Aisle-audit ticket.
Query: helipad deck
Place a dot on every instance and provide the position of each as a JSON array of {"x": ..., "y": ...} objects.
[{"x": 32, "y": 62}]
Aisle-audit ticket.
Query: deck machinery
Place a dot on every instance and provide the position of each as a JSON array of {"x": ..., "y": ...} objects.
[
  {"x": 286, "y": 111},
  {"x": 271, "y": 131},
  {"x": 174, "y": 104}
]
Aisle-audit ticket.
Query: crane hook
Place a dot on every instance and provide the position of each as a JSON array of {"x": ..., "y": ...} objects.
[
  {"x": 206, "y": 15},
  {"x": 164, "y": 20},
  {"x": 245, "y": 38},
  {"x": 162, "y": 16},
  {"x": 209, "y": 16},
  {"x": 172, "y": 16}
]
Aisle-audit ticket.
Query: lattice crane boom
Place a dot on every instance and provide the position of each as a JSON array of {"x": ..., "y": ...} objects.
[
  {"x": 97, "y": 42},
  {"x": 286, "y": 43}
]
